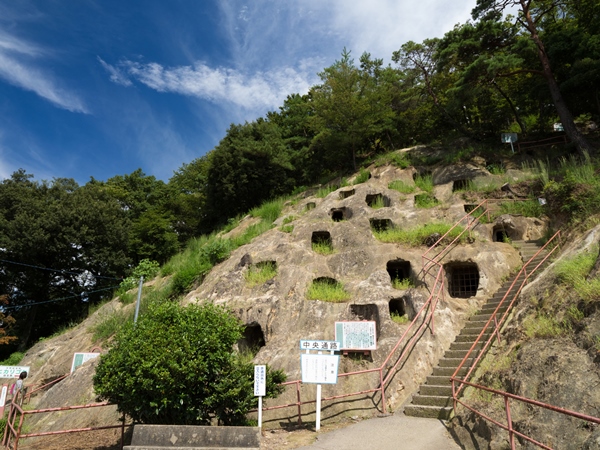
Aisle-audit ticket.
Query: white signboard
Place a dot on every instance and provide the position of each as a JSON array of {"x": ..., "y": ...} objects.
[
  {"x": 80, "y": 358},
  {"x": 320, "y": 345},
  {"x": 260, "y": 381},
  {"x": 356, "y": 335},
  {"x": 319, "y": 369},
  {"x": 12, "y": 371}
]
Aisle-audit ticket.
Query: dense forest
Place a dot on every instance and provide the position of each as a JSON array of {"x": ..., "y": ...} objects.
[{"x": 65, "y": 247}]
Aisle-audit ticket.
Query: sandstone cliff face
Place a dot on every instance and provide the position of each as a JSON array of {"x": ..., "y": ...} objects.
[{"x": 280, "y": 310}]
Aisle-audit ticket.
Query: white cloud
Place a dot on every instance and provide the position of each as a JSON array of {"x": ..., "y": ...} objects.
[
  {"x": 116, "y": 76},
  {"x": 16, "y": 69},
  {"x": 255, "y": 91}
]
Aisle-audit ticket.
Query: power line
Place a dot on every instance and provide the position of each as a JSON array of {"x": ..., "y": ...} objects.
[
  {"x": 57, "y": 270},
  {"x": 8, "y": 308}
]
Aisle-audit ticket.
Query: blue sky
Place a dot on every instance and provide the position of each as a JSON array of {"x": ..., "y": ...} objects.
[{"x": 98, "y": 88}]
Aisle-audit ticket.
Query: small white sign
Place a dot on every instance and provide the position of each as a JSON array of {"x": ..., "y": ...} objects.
[
  {"x": 80, "y": 358},
  {"x": 260, "y": 381},
  {"x": 3, "y": 396},
  {"x": 12, "y": 371},
  {"x": 320, "y": 345},
  {"x": 508, "y": 138},
  {"x": 319, "y": 369}
]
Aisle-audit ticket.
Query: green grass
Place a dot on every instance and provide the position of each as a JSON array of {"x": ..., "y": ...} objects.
[
  {"x": 325, "y": 191},
  {"x": 286, "y": 228},
  {"x": 362, "y": 176},
  {"x": 425, "y": 201},
  {"x": 416, "y": 237},
  {"x": 400, "y": 160},
  {"x": 401, "y": 186},
  {"x": 260, "y": 273},
  {"x": 269, "y": 211},
  {"x": 574, "y": 271},
  {"x": 378, "y": 203},
  {"x": 543, "y": 326},
  {"x": 425, "y": 183},
  {"x": 110, "y": 325},
  {"x": 327, "y": 290},
  {"x": 527, "y": 208},
  {"x": 402, "y": 283},
  {"x": 322, "y": 247},
  {"x": 397, "y": 318}
]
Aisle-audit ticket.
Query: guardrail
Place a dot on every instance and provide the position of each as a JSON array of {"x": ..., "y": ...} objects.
[
  {"x": 495, "y": 334},
  {"x": 423, "y": 318},
  {"x": 562, "y": 139},
  {"x": 13, "y": 431}
]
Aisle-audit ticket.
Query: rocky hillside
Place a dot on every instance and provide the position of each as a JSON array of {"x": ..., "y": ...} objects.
[{"x": 278, "y": 314}]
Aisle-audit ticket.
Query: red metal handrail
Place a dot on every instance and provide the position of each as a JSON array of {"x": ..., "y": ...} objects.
[
  {"x": 509, "y": 425},
  {"x": 427, "y": 310},
  {"x": 495, "y": 333},
  {"x": 16, "y": 432},
  {"x": 493, "y": 318}
]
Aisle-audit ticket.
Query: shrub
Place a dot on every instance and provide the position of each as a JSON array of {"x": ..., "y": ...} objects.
[
  {"x": 527, "y": 208},
  {"x": 401, "y": 283},
  {"x": 146, "y": 268},
  {"x": 322, "y": 246},
  {"x": 269, "y": 211},
  {"x": 13, "y": 360},
  {"x": 177, "y": 366}
]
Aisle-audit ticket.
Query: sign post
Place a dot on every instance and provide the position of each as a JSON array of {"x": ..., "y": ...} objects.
[
  {"x": 509, "y": 137},
  {"x": 319, "y": 368},
  {"x": 260, "y": 388}
]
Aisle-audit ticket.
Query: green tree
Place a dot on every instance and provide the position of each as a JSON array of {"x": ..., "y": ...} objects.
[
  {"x": 177, "y": 366},
  {"x": 63, "y": 248},
  {"x": 352, "y": 107},
  {"x": 250, "y": 165},
  {"x": 530, "y": 18}
]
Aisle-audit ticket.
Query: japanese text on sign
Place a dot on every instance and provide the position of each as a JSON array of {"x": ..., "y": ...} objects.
[
  {"x": 260, "y": 381},
  {"x": 12, "y": 371},
  {"x": 356, "y": 335},
  {"x": 320, "y": 345},
  {"x": 319, "y": 369}
]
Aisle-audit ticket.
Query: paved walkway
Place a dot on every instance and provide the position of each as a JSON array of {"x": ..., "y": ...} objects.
[{"x": 388, "y": 433}]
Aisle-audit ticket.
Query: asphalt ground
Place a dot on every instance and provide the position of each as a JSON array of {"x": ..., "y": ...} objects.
[{"x": 394, "y": 432}]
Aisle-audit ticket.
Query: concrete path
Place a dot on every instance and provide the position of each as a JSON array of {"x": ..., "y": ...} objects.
[{"x": 388, "y": 433}]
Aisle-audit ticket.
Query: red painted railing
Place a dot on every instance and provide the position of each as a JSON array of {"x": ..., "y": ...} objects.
[
  {"x": 513, "y": 292},
  {"x": 423, "y": 319},
  {"x": 13, "y": 432}
]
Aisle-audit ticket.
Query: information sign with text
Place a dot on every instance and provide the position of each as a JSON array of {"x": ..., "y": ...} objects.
[{"x": 356, "y": 335}]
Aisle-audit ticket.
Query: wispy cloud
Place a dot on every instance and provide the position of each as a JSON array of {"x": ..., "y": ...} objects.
[
  {"x": 255, "y": 91},
  {"x": 17, "y": 69},
  {"x": 116, "y": 75}
]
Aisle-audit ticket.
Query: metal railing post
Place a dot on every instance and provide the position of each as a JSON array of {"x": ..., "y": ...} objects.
[
  {"x": 511, "y": 435},
  {"x": 383, "y": 402}
]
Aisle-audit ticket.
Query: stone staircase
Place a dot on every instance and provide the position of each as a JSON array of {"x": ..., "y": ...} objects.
[{"x": 434, "y": 398}]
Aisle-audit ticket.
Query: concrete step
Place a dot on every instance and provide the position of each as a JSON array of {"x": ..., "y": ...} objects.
[
  {"x": 433, "y": 412},
  {"x": 465, "y": 345},
  {"x": 473, "y": 331},
  {"x": 466, "y": 338},
  {"x": 437, "y": 380},
  {"x": 448, "y": 371},
  {"x": 430, "y": 389},
  {"x": 454, "y": 362},
  {"x": 432, "y": 400},
  {"x": 459, "y": 354}
]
